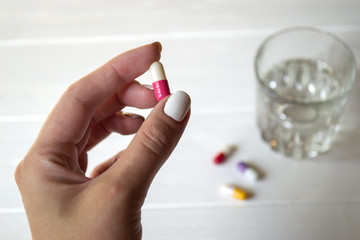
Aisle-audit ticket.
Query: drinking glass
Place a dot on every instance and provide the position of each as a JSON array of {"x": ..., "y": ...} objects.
[{"x": 304, "y": 76}]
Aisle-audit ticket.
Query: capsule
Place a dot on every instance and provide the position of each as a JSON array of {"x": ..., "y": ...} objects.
[
  {"x": 160, "y": 83},
  {"x": 233, "y": 192},
  {"x": 247, "y": 171},
  {"x": 224, "y": 154}
]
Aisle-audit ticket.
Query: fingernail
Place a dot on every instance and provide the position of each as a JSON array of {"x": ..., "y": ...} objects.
[
  {"x": 158, "y": 45},
  {"x": 131, "y": 115},
  {"x": 177, "y": 105}
]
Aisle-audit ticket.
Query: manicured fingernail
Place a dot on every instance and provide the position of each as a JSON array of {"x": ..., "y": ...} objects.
[
  {"x": 177, "y": 105},
  {"x": 158, "y": 45},
  {"x": 148, "y": 86},
  {"x": 131, "y": 115}
]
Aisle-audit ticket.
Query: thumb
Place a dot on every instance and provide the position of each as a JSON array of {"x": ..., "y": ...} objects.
[{"x": 153, "y": 143}]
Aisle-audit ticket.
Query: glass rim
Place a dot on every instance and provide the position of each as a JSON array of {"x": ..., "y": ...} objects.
[
  {"x": 263, "y": 44},
  {"x": 302, "y": 28}
]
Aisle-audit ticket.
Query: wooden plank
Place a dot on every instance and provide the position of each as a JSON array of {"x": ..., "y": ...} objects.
[
  {"x": 83, "y": 18},
  {"x": 317, "y": 222},
  {"x": 298, "y": 222},
  {"x": 14, "y": 226},
  {"x": 217, "y": 73},
  {"x": 190, "y": 177}
]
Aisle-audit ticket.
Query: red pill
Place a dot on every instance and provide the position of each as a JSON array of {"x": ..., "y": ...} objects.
[{"x": 224, "y": 154}]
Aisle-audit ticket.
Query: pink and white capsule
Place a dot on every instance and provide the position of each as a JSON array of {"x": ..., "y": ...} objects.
[{"x": 160, "y": 83}]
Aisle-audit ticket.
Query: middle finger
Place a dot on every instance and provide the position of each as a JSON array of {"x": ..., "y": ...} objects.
[{"x": 133, "y": 95}]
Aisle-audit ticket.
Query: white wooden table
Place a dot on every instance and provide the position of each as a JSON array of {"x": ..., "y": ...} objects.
[{"x": 208, "y": 51}]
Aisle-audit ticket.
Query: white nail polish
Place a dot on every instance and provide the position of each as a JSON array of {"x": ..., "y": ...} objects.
[{"x": 177, "y": 105}]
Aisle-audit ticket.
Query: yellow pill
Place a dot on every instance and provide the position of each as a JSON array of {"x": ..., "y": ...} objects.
[{"x": 233, "y": 192}]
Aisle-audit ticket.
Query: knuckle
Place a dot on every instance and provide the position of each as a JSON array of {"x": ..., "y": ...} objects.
[
  {"x": 158, "y": 138},
  {"x": 18, "y": 173},
  {"x": 72, "y": 89},
  {"x": 77, "y": 92}
]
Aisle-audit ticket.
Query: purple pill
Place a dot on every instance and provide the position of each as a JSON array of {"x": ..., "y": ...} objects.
[
  {"x": 242, "y": 166},
  {"x": 247, "y": 171}
]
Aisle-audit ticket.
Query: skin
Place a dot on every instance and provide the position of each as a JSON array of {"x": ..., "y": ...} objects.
[{"x": 61, "y": 202}]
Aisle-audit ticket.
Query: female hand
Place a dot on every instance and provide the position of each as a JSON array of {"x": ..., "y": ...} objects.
[{"x": 60, "y": 201}]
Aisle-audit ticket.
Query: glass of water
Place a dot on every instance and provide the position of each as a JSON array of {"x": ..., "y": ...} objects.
[{"x": 304, "y": 77}]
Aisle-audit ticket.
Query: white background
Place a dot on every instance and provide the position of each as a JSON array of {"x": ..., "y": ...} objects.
[{"x": 208, "y": 51}]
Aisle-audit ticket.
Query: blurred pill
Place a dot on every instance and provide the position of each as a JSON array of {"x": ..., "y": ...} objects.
[
  {"x": 247, "y": 171},
  {"x": 224, "y": 154},
  {"x": 233, "y": 192}
]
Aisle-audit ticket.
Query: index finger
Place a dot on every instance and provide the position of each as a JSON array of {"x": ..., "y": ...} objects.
[{"x": 72, "y": 115}]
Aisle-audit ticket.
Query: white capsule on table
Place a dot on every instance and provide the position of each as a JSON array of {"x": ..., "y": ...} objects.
[{"x": 247, "y": 171}]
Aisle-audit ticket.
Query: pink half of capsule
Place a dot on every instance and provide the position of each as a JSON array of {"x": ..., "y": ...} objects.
[
  {"x": 222, "y": 155},
  {"x": 160, "y": 83}
]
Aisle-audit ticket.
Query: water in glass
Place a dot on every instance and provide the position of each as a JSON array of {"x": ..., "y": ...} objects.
[{"x": 299, "y": 107}]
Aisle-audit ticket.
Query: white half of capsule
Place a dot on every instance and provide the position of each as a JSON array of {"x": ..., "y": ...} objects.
[
  {"x": 251, "y": 174},
  {"x": 157, "y": 71},
  {"x": 227, "y": 190},
  {"x": 229, "y": 150},
  {"x": 233, "y": 192}
]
